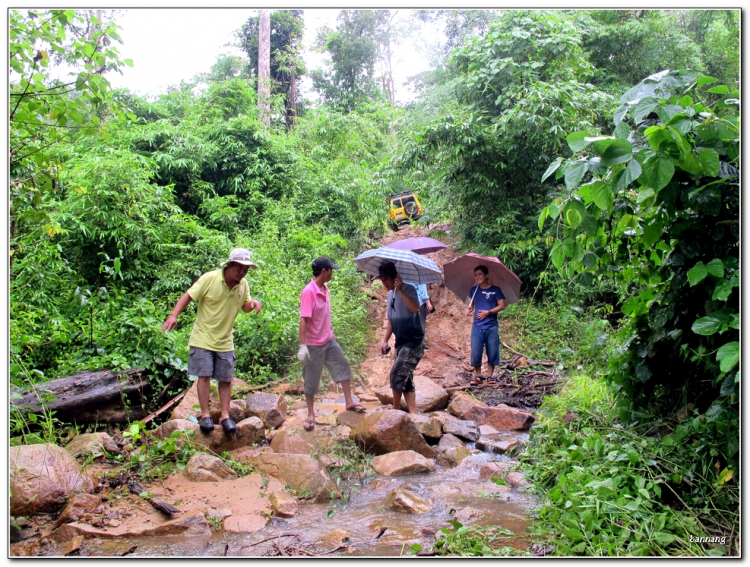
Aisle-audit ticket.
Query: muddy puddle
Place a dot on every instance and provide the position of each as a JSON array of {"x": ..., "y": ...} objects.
[{"x": 454, "y": 493}]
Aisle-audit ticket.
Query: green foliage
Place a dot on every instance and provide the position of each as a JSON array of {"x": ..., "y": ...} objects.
[
  {"x": 157, "y": 458},
  {"x": 614, "y": 490},
  {"x": 474, "y": 541},
  {"x": 657, "y": 215}
]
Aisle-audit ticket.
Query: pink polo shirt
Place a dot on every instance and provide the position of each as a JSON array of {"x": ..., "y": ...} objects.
[{"x": 315, "y": 304}]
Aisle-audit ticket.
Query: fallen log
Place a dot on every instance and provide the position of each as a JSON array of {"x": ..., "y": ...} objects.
[{"x": 101, "y": 396}]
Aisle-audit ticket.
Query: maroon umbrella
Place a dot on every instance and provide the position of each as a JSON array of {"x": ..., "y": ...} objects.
[
  {"x": 418, "y": 245},
  {"x": 459, "y": 276}
]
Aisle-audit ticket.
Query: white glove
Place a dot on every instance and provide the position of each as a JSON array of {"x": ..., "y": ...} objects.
[{"x": 303, "y": 354}]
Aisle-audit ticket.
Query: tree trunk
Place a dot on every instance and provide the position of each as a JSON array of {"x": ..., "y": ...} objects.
[
  {"x": 291, "y": 102},
  {"x": 102, "y": 396},
  {"x": 264, "y": 68}
]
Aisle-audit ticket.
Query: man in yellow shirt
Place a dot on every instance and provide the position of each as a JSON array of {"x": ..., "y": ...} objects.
[{"x": 220, "y": 295}]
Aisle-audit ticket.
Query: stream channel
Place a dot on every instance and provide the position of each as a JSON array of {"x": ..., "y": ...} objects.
[{"x": 364, "y": 514}]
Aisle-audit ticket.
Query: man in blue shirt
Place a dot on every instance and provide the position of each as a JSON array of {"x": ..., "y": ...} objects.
[{"x": 486, "y": 301}]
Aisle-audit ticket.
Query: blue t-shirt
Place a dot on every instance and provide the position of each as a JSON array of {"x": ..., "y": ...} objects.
[
  {"x": 406, "y": 325},
  {"x": 484, "y": 300},
  {"x": 422, "y": 294}
]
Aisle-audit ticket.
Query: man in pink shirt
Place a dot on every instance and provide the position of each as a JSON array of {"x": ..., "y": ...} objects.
[{"x": 317, "y": 343}]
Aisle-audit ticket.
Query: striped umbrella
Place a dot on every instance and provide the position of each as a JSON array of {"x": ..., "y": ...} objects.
[{"x": 410, "y": 266}]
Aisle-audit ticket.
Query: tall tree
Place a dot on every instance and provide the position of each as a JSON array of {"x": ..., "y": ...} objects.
[
  {"x": 287, "y": 65},
  {"x": 264, "y": 67}
]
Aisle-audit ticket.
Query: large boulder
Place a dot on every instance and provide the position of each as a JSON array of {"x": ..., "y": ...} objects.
[
  {"x": 42, "y": 477},
  {"x": 290, "y": 441},
  {"x": 301, "y": 473},
  {"x": 92, "y": 444},
  {"x": 402, "y": 500},
  {"x": 388, "y": 431},
  {"x": 249, "y": 432},
  {"x": 429, "y": 427},
  {"x": 271, "y": 408},
  {"x": 77, "y": 506},
  {"x": 236, "y": 411},
  {"x": 464, "y": 429},
  {"x": 506, "y": 418},
  {"x": 429, "y": 396},
  {"x": 190, "y": 405},
  {"x": 284, "y": 504},
  {"x": 203, "y": 467},
  {"x": 466, "y": 407},
  {"x": 402, "y": 462}
]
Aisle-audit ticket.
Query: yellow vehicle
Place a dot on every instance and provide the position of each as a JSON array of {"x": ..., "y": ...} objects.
[{"x": 404, "y": 207}]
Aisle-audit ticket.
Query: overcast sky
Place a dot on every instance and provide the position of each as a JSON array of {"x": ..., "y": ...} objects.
[{"x": 170, "y": 45}]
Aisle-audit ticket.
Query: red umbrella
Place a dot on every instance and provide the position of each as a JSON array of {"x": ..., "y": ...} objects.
[
  {"x": 459, "y": 276},
  {"x": 418, "y": 245}
]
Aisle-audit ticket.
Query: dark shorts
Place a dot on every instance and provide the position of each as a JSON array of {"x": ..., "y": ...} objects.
[
  {"x": 217, "y": 365},
  {"x": 332, "y": 357},
  {"x": 402, "y": 371}
]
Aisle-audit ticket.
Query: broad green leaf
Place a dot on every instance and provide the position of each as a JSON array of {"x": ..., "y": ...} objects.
[
  {"x": 664, "y": 538},
  {"x": 657, "y": 172},
  {"x": 717, "y": 131},
  {"x": 725, "y": 476},
  {"x": 128, "y": 62},
  {"x": 568, "y": 246},
  {"x": 620, "y": 113},
  {"x": 709, "y": 160},
  {"x": 719, "y": 89},
  {"x": 706, "y": 80},
  {"x": 589, "y": 260},
  {"x": 601, "y": 193},
  {"x": 590, "y": 225},
  {"x": 558, "y": 255},
  {"x": 542, "y": 217},
  {"x": 728, "y": 356},
  {"x": 627, "y": 222},
  {"x": 697, "y": 273},
  {"x": 631, "y": 173},
  {"x": 577, "y": 141},
  {"x": 619, "y": 151},
  {"x": 706, "y": 326},
  {"x": 690, "y": 164},
  {"x": 645, "y": 193},
  {"x": 724, "y": 289},
  {"x": 552, "y": 168},
  {"x": 716, "y": 268},
  {"x": 643, "y": 108},
  {"x": 622, "y": 130},
  {"x": 574, "y": 173},
  {"x": 573, "y": 217}
]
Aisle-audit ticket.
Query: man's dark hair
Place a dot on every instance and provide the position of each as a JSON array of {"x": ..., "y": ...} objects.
[
  {"x": 484, "y": 269},
  {"x": 387, "y": 270}
]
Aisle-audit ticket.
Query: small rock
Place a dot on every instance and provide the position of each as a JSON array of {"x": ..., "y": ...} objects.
[
  {"x": 429, "y": 427},
  {"x": 335, "y": 538},
  {"x": 343, "y": 431},
  {"x": 368, "y": 397},
  {"x": 489, "y": 470},
  {"x": 244, "y": 523},
  {"x": 73, "y": 545},
  {"x": 516, "y": 479},
  {"x": 271, "y": 408},
  {"x": 462, "y": 428},
  {"x": 402, "y": 500},
  {"x": 448, "y": 442},
  {"x": 464, "y": 515},
  {"x": 333, "y": 461},
  {"x": 402, "y": 462},
  {"x": 77, "y": 506},
  {"x": 493, "y": 446},
  {"x": 203, "y": 467},
  {"x": 284, "y": 504},
  {"x": 94, "y": 444},
  {"x": 452, "y": 457}
]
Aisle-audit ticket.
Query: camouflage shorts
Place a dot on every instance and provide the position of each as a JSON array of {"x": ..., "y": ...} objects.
[{"x": 402, "y": 371}]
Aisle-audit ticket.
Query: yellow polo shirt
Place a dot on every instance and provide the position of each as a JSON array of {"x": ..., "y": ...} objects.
[{"x": 218, "y": 307}]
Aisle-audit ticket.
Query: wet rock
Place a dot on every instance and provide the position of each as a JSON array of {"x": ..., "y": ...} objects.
[
  {"x": 220, "y": 513},
  {"x": 429, "y": 396},
  {"x": 244, "y": 523},
  {"x": 352, "y": 420},
  {"x": 516, "y": 479},
  {"x": 449, "y": 441},
  {"x": 402, "y": 500},
  {"x": 335, "y": 538},
  {"x": 284, "y": 504},
  {"x": 193, "y": 524},
  {"x": 506, "y": 418},
  {"x": 475, "y": 490},
  {"x": 462, "y": 428},
  {"x": 388, "y": 431},
  {"x": 71, "y": 546},
  {"x": 368, "y": 397},
  {"x": 499, "y": 447},
  {"x": 285, "y": 441},
  {"x": 429, "y": 427},
  {"x": 271, "y": 408},
  {"x": 442, "y": 417},
  {"x": 489, "y": 470},
  {"x": 465, "y": 406},
  {"x": 465, "y": 515},
  {"x": 402, "y": 462},
  {"x": 203, "y": 467},
  {"x": 93, "y": 444},
  {"x": 301, "y": 473},
  {"x": 77, "y": 506},
  {"x": 41, "y": 478},
  {"x": 452, "y": 457},
  {"x": 343, "y": 431},
  {"x": 485, "y": 430},
  {"x": 236, "y": 411},
  {"x": 190, "y": 405}
]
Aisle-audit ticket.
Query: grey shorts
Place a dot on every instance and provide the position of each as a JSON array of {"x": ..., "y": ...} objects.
[
  {"x": 402, "y": 371},
  {"x": 217, "y": 365},
  {"x": 332, "y": 357}
]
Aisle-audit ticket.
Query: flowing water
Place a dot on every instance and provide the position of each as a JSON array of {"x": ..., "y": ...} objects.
[{"x": 362, "y": 516}]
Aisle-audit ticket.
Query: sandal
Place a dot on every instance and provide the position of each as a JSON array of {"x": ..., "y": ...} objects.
[
  {"x": 228, "y": 424},
  {"x": 308, "y": 424},
  {"x": 206, "y": 424},
  {"x": 356, "y": 408},
  {"x": 476, "y": 382}
]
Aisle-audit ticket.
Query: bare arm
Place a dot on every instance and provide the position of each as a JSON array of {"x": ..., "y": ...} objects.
[
  {"x": 388, "y": 333},
  {"x": 303, "y": 330},
  {"x": 411, "y": 304},
  {"x": 250, "y": 305},
  {"x": 179, "y": 307},
  {"x": 485, "y": 313}
]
